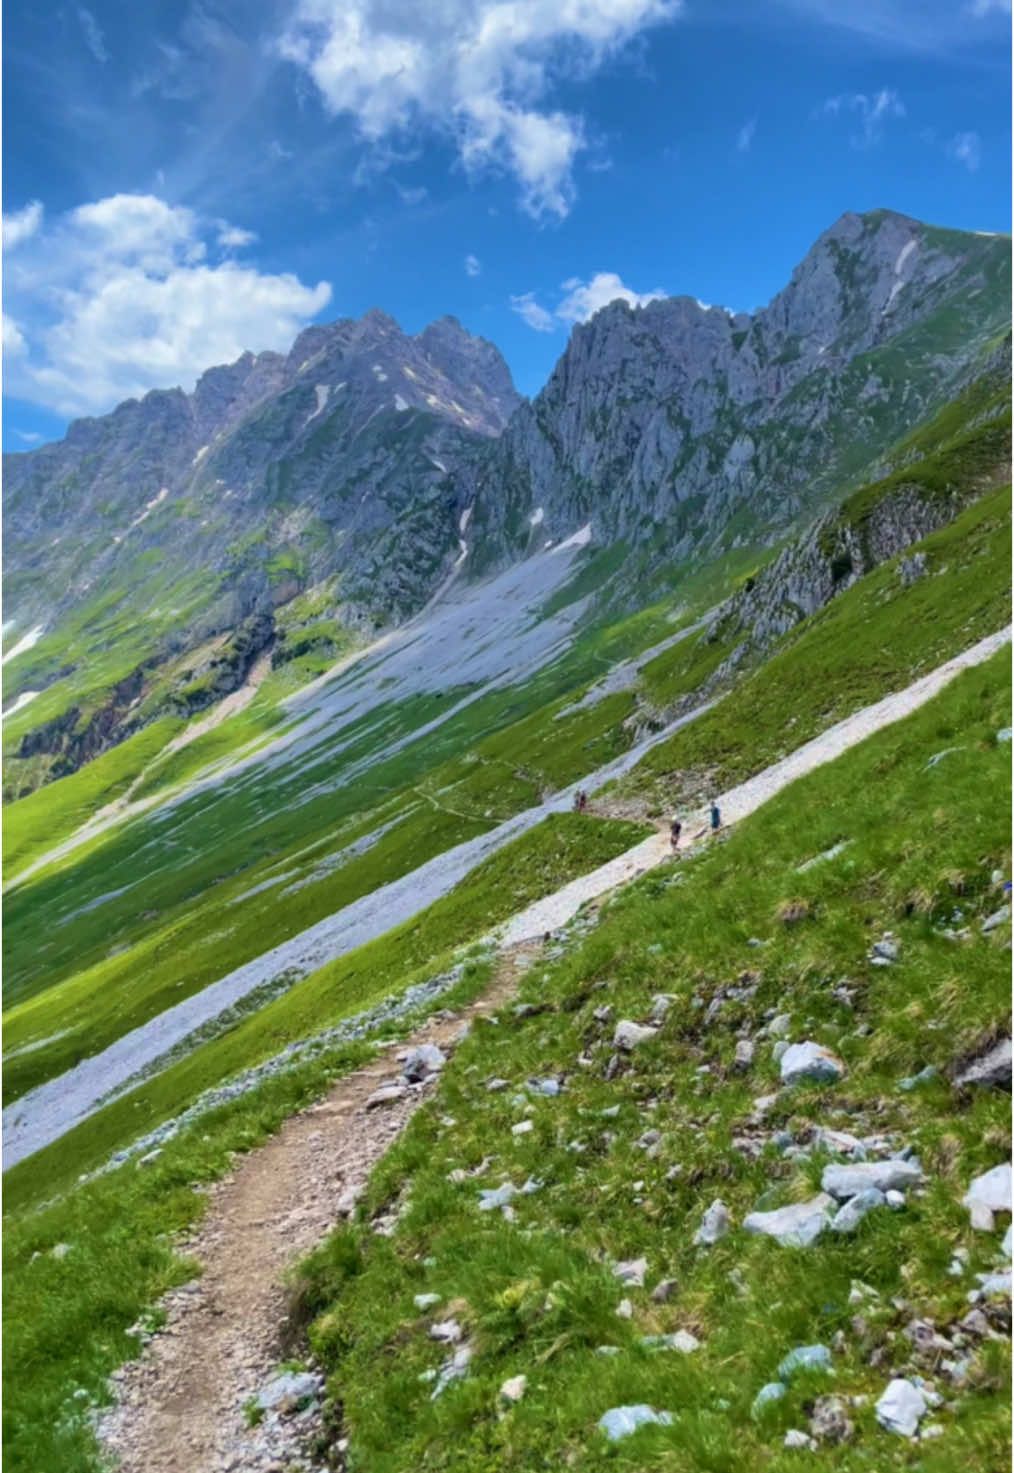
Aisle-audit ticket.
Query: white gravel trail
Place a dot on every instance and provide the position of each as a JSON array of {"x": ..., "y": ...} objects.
[{"x": 556, "y": 910}]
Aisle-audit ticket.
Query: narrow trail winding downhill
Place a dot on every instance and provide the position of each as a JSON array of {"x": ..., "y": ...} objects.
[{"x": 180, "y": 1406}]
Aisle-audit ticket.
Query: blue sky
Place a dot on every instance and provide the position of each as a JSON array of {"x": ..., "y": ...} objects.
[{"x": 184, "y": 180}]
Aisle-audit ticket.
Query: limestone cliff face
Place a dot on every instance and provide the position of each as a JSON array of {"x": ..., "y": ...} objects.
[{"x": 686, "y": 428}]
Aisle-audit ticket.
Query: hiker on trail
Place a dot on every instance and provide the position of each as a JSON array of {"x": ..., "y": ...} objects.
[
  {"x": 716, "y": 817},
  {"x": 580, "y": 801},
  {"x": 675, "y": 829}
]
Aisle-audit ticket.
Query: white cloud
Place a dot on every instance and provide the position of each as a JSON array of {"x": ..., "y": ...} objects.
[
  {"x": 873, "y": 111},
  {"x": 966, "y": 148},
  {"x": 30, "y": 437},
  {"x": 584, "y": 298},
  {"x": 413, "y": 195},
  {"x": 125, "y": 294},
  {"x": 530, "y": 312},
  {"x": 94, "y": 39},
  {"x": 21, "y": 224},
  {"x": 581, "y": 300},
  {"x": 744, "y": 138},
  {"x": 473, "y": 266},
  {"x": 479, "y": 70},
  {"x": 232, "y": 238}
]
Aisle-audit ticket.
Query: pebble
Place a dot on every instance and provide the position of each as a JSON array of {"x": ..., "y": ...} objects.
[
  {"x": 514, "y": 1389},
  {"x": 804, "y": 1358},
  {"x": 422, "y": 1061},
  {"x": 426, "y": 1301},
  {"x": 523, "y": 1127},
  {"x": 680, "y": 1340},
  {"x": 795, "y": 1438},
  {"x": 446, "y": 1332},
  {"x": 386, "y": 1095},
  {"x": 664, "y": 1290},
  {"x": 772, "y": 1392},
  {"x": 745, "y": 1050},
  {"x": 991, "y": 1070},
  {"x": 660, "y": 1005},
  {"x": 631, "y": 1272},
  {"x": 830, "y": 1421}
]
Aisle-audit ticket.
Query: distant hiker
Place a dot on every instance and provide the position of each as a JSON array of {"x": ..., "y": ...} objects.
[
  {"x": 675, "y": 829},
  {"x": 716, "y": 817},
  {"x": 580, "y": 801}
]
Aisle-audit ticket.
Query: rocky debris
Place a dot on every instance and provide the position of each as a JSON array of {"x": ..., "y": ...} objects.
[
  {"x": 425, "y": 1301},
  {"x": 844, "y": 1182},
  {"x": 620, "y": 1422},
  {"x": 830, "y": 1421},
  {"x": 991, "y": 1069},
  {"x": 714, "y": 1225},
  {"x": 629, "y": 1036},
  {"x": 795, "y": 1438},
  {"x": 445, "y": 1332},
  {"x": 631, "y": 1272},
  {"x": 680, "y": 1340},
  {"x": 386, "y": 1095},
  {"x": 849, "y": 1216},
  {"x": 664, "y": 1290},
  {"x": 988, "y": 1194},
  {"x": 797, "y": 1225},
  {"x": 290, "y": 1391},
  {"x": 743, "y": 1058},
  {"x": 804, "y": 1358},
  {"x": 913, "y": 1081},
  {"x": 513, "y": 1389},
  {"x": 810, "y": 1063},
  {"x": 451, "y": 1370},
  {"x": 549, "y": 1087},
  {"x": 423, "y": 1061},
  {"x": 886, "y": 951},
  {"x": 660, "y": 1005},
  {"x": 901, "y": 1407}
]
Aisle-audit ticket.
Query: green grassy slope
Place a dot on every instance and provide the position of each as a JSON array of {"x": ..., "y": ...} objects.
[{"x": 536, "y": 1295}]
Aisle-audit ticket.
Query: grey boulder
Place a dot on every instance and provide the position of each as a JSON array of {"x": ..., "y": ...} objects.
[{"x": 796, "y": 1226}]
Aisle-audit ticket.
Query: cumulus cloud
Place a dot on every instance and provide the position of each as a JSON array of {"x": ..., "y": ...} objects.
[
  {"x": 744, "y": 138},
  {"x": 966, "y": 148},
  {"x": 21, "y": 224},
  {"x": 479, "y": 71},
  {"x": 130, "y": 293},
  {"x": 872, "y": 112},
  {"x": 473, "y": 266},
  {"x": 581, "y": 300}
]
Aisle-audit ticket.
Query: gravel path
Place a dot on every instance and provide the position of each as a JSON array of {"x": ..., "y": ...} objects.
[
  {"x": 555, "y": 910},
  {"x": 180, "y": 1405},
  {"x": 46, "y": 1113}
]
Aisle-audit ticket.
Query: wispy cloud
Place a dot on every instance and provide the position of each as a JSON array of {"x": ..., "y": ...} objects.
[
  {"x": 94, "y": 39},
  {"x": 473, "y": 266},
  {"x": 872, "y": 111},
  {"x": 982, "y": 8},
  {"x": 580, "y": 300},
  {"x": 745, "y": 136},
  {"x": 232, "y": 238},
  {"x": 479, "y": 71},
  {"x": 966, "y": 148},
  {"x": 932, "y": 27}
]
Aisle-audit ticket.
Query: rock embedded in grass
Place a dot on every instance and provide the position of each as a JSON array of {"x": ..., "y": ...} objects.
[
  {"x": 797, "y": 1225},
  {"x": 714, "y": 1225},
  {"x": 851, "y": 1213},
  {"x": 631, "y": 1272},
  {"x": 988, "y": 1194},
  {"x": 514, "y": 1389},
  {"x": 629, "y": 1035},
  {"x": 845, "y": 1182},
  {"x": 804, "y": 1358},
  {"x": 771, "y": 1392},
  {"x": 830, "y": 1421},
  {"x": 901, "y": 1408},
  {"x": 620, "y": 1422},
  {"x": 991, "y": 1069},
  {"x": 810, "y": 1062}
]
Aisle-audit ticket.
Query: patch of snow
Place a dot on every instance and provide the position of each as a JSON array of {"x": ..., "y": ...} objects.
[
  {"x": 322, "y": 391},
  {"x": 438, "y": 463},
  {"x": 401, "y": 404},
  {"x": 408, "y": 372},
  {"x": 24, "y": 643},
  {"x": 200, "y": 455},
  {"x": 466, "y": 517},
  {"x": 576, "y": 539},
  {"x": 149, "y": 507},
  {"x": 22, "y": 700},
  {"x": 537, "y": 517},
  {"x": 379, "y": 374},
  {"x": 903, "y": 256}
]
